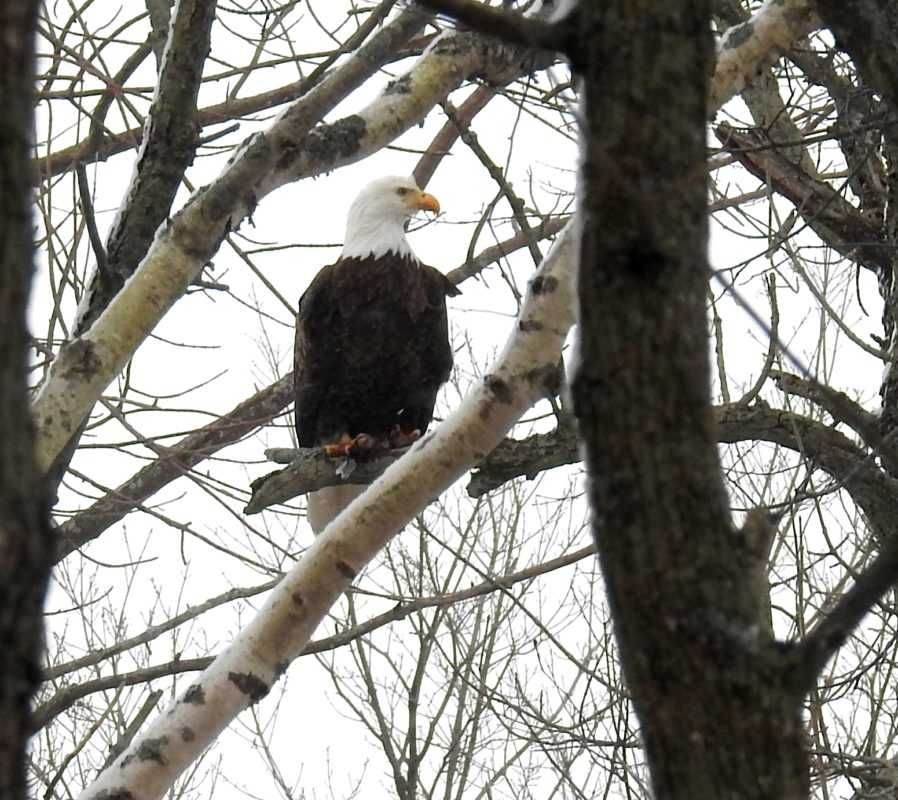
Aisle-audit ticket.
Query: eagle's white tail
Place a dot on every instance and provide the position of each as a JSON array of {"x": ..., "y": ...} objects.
[{"x": 325, "y": 504}]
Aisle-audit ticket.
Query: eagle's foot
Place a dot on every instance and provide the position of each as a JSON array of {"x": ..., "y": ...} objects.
[
  {"x": 341, "y": 447},
  {"x": 362, "y": 446},
  {"x": 400, "y": 438},
  {"x": 367, "y": 446}
]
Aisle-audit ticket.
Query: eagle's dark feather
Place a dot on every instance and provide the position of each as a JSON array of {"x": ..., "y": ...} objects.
[{"x": 372, "y": 348}]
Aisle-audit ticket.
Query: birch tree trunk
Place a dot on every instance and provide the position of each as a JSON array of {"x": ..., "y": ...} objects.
[{"x": 25, "y": 550}]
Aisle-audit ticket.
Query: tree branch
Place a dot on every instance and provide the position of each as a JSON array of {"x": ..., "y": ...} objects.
[
  {"x": 234, "y": 108},
  {"x": 872, "y": 489},
  {"x": 837, "y": 404},
  {"x": 821, "y": 643},
  {"x": 308, "y": 469},
  {"x": 866, "y": 29},
  {"x": 66, "y": 697},
  {"x": 242, "y": 420},
  {"x": 506, "y": 25},
  {"x": 167, "y": 148},
  {"x": 826, "y": 211},
  {"x": 756, "y": 43}
]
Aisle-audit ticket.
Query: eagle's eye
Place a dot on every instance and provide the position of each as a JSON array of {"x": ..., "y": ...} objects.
[{"x": 402, "y": 191}]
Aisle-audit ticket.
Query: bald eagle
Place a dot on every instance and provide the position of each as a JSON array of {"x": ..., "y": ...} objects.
[{"x": 372, "y": 340}]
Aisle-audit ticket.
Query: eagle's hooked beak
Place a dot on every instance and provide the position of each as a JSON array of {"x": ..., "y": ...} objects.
[{"x": 423, "y": 201}]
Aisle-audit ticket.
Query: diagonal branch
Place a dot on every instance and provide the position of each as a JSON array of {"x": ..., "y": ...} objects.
[
  {"x": 167, "y": 149},
  {"x": 67, "y": 696},
  {"x": 240, "y": 421},
  {"x": 821, "y": 643},
  {"x": 826, "y": 211},
  {"x": 101, "y": 147}
]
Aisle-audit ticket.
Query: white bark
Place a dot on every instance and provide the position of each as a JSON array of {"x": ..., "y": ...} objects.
[
  {"x": 247, "y": 669},
  {"x": 745, "y": 49}
]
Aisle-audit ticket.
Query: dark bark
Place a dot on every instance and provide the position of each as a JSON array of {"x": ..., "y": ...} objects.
[
  {"x": 169, "y": 144},
  {"x": 527, "y": 31},
  {"x": 868, "y": 31},
  {"x": 25, "y": 542},
  {"x": 717, "y": 717}
]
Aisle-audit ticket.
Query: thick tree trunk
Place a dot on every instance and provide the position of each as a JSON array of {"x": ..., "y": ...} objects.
[
  {"x": 717, "y": 715},
  {"x": 25, "y": 541}
]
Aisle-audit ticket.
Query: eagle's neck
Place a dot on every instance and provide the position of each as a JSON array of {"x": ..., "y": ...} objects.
[{"x": 373, "y": 235}]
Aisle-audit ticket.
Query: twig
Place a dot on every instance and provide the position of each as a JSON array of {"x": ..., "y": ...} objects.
[{"x": 811, "y": 654}]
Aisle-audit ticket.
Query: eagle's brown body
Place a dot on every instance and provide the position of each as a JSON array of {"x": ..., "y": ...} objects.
[
  {"x": 372, "y": 348},
  {"x": 372, "y": 341}
]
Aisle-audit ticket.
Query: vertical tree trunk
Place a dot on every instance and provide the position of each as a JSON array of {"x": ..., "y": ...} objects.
[
  {"x": 717, "y": 715},
  {"x": 25, "y": 541}
]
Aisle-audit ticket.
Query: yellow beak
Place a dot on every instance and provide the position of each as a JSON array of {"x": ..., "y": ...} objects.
[{"x": 423, "y": 201}]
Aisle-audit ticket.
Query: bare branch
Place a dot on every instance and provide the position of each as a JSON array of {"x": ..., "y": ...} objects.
[
  {"x": 310, "y": 469},
  {"x": 811, "y": 654},
  {"x": 837, "y": 404},
  {"x": 68, "y": 696},
  {"x": 242, "y": 420},
  {"x": 506, "y": 25},
  {"x": 826, "y": 210},
  {"x": 167, "y": 148},
  {"x": 65, "y": 698},
  {"x": 105, "y": 145}
]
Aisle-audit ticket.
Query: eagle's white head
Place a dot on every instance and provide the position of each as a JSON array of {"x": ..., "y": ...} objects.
[{"x": 375, "y": 225}]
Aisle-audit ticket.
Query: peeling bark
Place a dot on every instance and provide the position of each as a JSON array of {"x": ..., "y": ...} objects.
[{"x": 756, "y": 43}]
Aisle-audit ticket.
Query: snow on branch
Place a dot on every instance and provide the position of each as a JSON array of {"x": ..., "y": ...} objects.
[
  {"x": 294, "y": 147},
  {"x": 246, "y": 671},
  {"x": 744, "y": 49}
]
